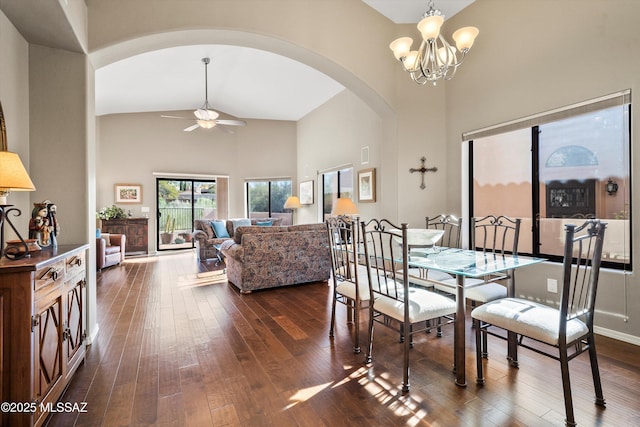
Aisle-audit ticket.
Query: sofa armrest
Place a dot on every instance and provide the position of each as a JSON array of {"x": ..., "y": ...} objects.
[
  {"x": 231, "y": 249},
  {"x": 200, "y": 236},
  {"x": 101, "y": 247}
]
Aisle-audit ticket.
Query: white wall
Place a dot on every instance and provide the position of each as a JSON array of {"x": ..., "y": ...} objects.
[
  {"x": 14, "y": 96},
  {"x": 333, "y": 135}
]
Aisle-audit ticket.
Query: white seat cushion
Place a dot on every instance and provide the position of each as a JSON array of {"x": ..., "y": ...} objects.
[
  {"x": 528, "y": 318},
  {"x": 417, "y": 277},
  {"x": 348, "y": 289},
  {"x": 475, "y": 289},
  {"x": 485, "y": 292},
  {"x": 423, "y": 305}
]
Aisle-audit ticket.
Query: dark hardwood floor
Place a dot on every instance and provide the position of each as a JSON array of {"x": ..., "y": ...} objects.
[{"x": 175, "y": 349}]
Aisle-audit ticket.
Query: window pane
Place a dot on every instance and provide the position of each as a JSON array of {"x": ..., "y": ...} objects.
[
  {"x": 578, "y": 157},
  {"x": 502, "y": 180},
  {"x": 346, "y": 183},
  {"x": 329, "y": 191},
  {"x": 258, "y": 199},
  {"x": 280, "y": 191},
  {"x": 266, "y": 199}
]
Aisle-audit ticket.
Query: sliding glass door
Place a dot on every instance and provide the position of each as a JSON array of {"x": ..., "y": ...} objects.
[{"x": 181, "y": 201}]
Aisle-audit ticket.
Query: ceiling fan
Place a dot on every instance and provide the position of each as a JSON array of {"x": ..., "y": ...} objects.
[{"x": 206, "y": 117}]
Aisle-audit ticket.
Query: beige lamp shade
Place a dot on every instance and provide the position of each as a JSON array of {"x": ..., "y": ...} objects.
[
  {"x": 344, "y": 206},
  {"x": 292, "y": 202},
  {"x": 13, "y": 175}
]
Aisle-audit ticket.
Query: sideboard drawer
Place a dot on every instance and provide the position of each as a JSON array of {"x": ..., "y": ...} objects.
[
  {"x": 75, "y": 264},
  {"x": 49, "y": 274}
]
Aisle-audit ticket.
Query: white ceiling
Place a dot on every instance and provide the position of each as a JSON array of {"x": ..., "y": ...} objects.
[{"x": 243, "y": 82}]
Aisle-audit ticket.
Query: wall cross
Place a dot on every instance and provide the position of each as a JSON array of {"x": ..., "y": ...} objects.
[{"x": 422, "y": 170}]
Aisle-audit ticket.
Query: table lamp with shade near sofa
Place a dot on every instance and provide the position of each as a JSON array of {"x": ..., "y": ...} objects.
[
  {"x": 293, "y": 203},
  {"x": 344, "y": 206},
  {"x": 13, "y": 177}
]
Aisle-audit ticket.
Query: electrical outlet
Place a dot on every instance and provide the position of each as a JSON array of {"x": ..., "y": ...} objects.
[{"x": 552, "y": 286}]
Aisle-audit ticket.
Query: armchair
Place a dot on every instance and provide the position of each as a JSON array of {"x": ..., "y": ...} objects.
[{"x": 110, "y": 250}]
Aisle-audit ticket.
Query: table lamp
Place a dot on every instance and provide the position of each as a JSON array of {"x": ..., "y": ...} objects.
[
  {"x": 13, "y": 177},
  {"x": 344, "y": 206},
  {"x": 293, "y": 202}
]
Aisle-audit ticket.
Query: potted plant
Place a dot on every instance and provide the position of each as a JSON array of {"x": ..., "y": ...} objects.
[
  {"x": 169, "y": 227},
  {"x": 111, "y": 212},
  {"x": 186, "y": 236}
]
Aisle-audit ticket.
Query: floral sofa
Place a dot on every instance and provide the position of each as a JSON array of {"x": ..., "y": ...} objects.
[
  {"x": 268, "y": 257},
  {"x": 205, "y": 237}
]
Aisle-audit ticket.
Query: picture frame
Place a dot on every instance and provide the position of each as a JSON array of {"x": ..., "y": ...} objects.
[
  {"x": 367, "y": 185},
  {"x": 306, "y": 193},
  {"x": 128, "y": 193}
]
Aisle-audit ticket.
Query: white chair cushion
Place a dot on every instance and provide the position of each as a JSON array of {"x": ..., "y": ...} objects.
[
  {"x": 475, "y": 289},
  {"x": 416, "y": 277},
  {"x": 528, "y": 318},
  {"x": 486, "y": 292},
  {"x": 423, "y": 305},
  {"x": 449, "y": 285},
  {"x": 348, "y": 289}
]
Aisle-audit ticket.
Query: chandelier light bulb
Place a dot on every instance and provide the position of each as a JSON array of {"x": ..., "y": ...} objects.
[
  {"x": 464, "y": 38},
  {"x": 401, "y": 47},
  {"x": 429, "y": 27},
  {"x": 410, "y": 61}
]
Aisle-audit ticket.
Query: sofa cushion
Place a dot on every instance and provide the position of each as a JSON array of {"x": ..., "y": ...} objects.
[
  {"x": 112, "y": 250},
  {"x": 244, "y": 222},
  {"x": 219, "y": 228},
  {"x": 255, "y": 229},
  {"x": 264, "y": 223},
  {"x": 106, "y": 238},
  {"x": 308, "y": 227},
  {"x": 205, "y": 226}
]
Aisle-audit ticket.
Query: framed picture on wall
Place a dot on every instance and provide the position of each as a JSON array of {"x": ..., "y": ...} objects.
[
  {"x": 306, "y": 193},
  {"x": 367, "y": 185},
  {"x": 128, "y": 193}
]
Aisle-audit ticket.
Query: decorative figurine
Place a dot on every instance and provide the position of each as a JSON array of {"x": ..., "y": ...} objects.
[{"x": 43, "y": 225}]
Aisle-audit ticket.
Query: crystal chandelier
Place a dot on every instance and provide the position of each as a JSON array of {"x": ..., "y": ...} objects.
[{"x": 436, "y": 59}]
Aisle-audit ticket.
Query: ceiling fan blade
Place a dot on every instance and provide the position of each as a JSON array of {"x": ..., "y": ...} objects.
[
  {"x": 231, "y": 122},
  {"x": 224, "y": 129},
  {"x": 192, "y": 127},
  {"x": 174, "y": 117}
]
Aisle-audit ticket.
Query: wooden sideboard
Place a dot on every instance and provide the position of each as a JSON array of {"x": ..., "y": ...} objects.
[
  {"x": 136, "y": 230},
  {"x": 42, "y": 326}
]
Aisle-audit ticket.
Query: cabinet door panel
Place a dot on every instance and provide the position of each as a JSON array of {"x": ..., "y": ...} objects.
[
  {"x": 48, "y": 343},
  {"x": 75, "y": 318}
]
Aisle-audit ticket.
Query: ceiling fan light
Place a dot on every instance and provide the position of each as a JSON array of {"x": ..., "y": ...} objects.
[{"x": 206, "y": 124}]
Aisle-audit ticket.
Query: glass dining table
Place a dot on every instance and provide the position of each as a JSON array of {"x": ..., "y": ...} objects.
[{"x": 463, "y": 263}]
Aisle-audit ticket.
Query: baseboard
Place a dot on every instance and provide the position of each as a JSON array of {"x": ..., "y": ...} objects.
[
  {"x": 610, "y": 333},
  {"x": 94, "y": 334}
]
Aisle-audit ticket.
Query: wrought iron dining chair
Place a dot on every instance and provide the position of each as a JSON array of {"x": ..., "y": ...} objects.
[
  {"x": 349, "y": 277},
  {"x": 393, "y": 302},
  {"x": 568, "y": 329},
  {"x": 494, "y": 236}
]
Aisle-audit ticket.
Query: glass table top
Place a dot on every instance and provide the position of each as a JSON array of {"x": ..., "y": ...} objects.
[{"x": 467, "y": 262}]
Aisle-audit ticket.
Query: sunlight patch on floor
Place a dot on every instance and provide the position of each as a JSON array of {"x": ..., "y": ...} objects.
[
  {"x": 305, "y": 394},
  {"x": 202, "y": 279}
]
